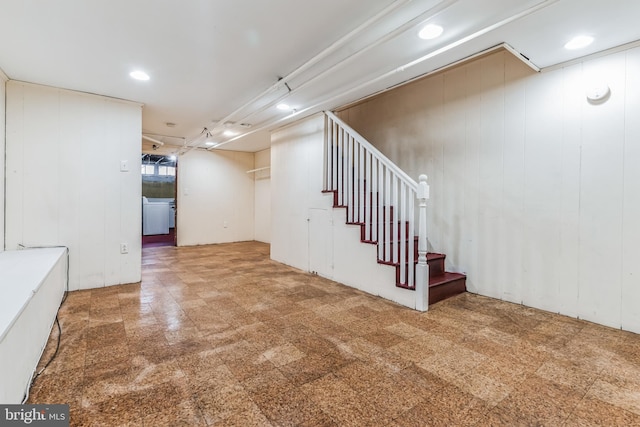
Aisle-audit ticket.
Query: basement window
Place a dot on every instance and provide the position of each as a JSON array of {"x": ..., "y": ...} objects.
[
  {"x": 158, "y": 166},
  {"x": 166, "y": 171},
  {"x": 148, "y": 169}
]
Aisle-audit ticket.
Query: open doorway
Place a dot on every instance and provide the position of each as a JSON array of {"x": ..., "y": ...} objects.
[{"x": 159, "y": 174}]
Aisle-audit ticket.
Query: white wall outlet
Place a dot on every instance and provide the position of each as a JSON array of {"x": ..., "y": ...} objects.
[
  {"x": 124, "y": 166},
  {"x": 124, "y": 248},
  {"x": 225, "y": 224}
]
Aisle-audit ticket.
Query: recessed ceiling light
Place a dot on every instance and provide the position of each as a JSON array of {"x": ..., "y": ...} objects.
[
  {"x": 283, "y": 107},
  {"x": 230, "y": 133},
  {"x": 139, "y": 75},
  {"x": 578, "y": 42},
  {"x": 430, "y": 31},
  {"x": 210, "y": 144}
]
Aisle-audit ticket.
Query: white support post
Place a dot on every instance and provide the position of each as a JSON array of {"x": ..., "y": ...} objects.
[
  {"x": 349, "y": 178},
  {"x": 325, "y": 176},
  {"x": 422, "y": 269}
]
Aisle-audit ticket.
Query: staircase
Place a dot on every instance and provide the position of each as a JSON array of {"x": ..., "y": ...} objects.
[{"x": 380, "y": 198}]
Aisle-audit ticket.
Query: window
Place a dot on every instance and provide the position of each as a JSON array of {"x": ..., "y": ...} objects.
[
  {"x": 166, "y": 171},
  {"x": 148, "y": 169},
  {"x": 158, "y": 166}
]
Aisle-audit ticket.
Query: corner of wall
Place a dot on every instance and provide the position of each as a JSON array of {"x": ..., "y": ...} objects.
[
  {"x": 262, "y": 195},
  {"x": 3, "y": 81}
]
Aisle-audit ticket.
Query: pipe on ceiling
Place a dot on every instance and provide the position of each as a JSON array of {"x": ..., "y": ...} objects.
[
  {"x": 427, "y": 14},
  {"x": 317, "y": 58},
  {"x": 335, "y": 98},
  {"x": 155, "y": 141}
]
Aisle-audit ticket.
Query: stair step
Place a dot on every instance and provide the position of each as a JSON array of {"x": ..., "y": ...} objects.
[
  {"x": 442, "y": 284},
  {"x": 434, "y": 260},
  {"x": 446, "y": 285},
  {"x": 436, "y": 264}
]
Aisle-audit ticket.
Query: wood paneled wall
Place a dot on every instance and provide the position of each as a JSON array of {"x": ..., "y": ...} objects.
[
  {"x": 64, "y": 185},
  {"x": 535, "y": 192},
  {"x": 3, "y": 80}
]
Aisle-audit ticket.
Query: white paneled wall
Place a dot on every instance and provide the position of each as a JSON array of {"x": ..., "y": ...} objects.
[
  {"x": 64, "y": 185},
  {"x": 3, "y": 80},
  {"x": 215, "y": 197},
  {"x": 296, "y": 186},
  {"x": 630, "y": 291},
  {"x": 262, "y": 197},
  {"x": 535, "y": 192}
]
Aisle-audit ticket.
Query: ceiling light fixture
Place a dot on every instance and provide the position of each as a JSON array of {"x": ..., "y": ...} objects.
[
  {"x": 578, "y": 42},
  {"x": 230, "y": 133},
  {"x": 430, "y": 31},
  {"x": 139, "y": 75},
  {"x": 283, "y": 107},
  {"x": 210, "y": 144}
]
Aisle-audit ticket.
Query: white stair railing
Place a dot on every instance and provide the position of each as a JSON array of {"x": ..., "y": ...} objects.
[{"x": 379, "y": 196}]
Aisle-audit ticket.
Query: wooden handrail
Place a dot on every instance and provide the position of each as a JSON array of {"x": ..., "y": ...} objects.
[{"x": 374, "y": 150}]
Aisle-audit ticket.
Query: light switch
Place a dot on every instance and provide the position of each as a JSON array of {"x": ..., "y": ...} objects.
[{"x": 124, "y": 166}]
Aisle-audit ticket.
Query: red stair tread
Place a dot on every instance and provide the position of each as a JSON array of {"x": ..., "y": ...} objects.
[
  {"x": 446, "y": 285},
  {"x": 445, "y": 278},
  {"x": 442, "y": 284}
]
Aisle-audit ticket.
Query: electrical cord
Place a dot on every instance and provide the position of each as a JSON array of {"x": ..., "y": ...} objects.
[{"x": 35, "y": 375}]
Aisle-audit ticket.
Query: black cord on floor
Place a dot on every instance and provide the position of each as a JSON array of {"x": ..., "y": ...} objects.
[
  {"x": 55, "y": 353},
  {"x": 57, "y": 321}
]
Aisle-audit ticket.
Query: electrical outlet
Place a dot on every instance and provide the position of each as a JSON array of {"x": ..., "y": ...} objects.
[
  {"x": 225, "y": 224},
  {"x": 124, "y": 248}
]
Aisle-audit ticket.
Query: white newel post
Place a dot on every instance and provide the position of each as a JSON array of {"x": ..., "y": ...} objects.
[{"x": 422, "y": 269}]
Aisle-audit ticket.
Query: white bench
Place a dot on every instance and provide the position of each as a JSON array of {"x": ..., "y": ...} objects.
[{"x": 32, "y": 284}]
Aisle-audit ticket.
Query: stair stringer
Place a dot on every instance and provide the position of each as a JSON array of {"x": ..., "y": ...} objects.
[{"x": 355, "y": 263}]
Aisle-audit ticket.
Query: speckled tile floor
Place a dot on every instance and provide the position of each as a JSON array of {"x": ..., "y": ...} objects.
[{"x": 221, "y": 335}]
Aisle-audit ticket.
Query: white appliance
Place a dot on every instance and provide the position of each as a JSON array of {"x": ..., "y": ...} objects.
[{"x": 156, "y": 217}]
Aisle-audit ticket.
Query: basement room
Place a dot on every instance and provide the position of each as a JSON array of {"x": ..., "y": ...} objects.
[{"x": 338, "y": 213}]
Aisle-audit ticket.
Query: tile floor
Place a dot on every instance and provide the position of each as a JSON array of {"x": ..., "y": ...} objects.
[{"x": 221, "y": 335}]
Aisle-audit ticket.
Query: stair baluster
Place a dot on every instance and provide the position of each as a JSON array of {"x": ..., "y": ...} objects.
[
  {"x": 380, "y": 198},
  {"x": 377, "y": 194}
]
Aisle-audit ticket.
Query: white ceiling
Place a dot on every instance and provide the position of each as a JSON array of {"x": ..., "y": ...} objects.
[{"x": 216, "y": 64}]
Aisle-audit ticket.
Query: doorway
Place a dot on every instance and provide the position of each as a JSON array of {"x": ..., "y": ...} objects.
[{"x": 159, "y": 185}]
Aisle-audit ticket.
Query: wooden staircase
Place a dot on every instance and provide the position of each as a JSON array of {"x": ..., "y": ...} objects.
[
  {"x": 442, "y": 284},
  {"x": 390, "y": 207}
]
